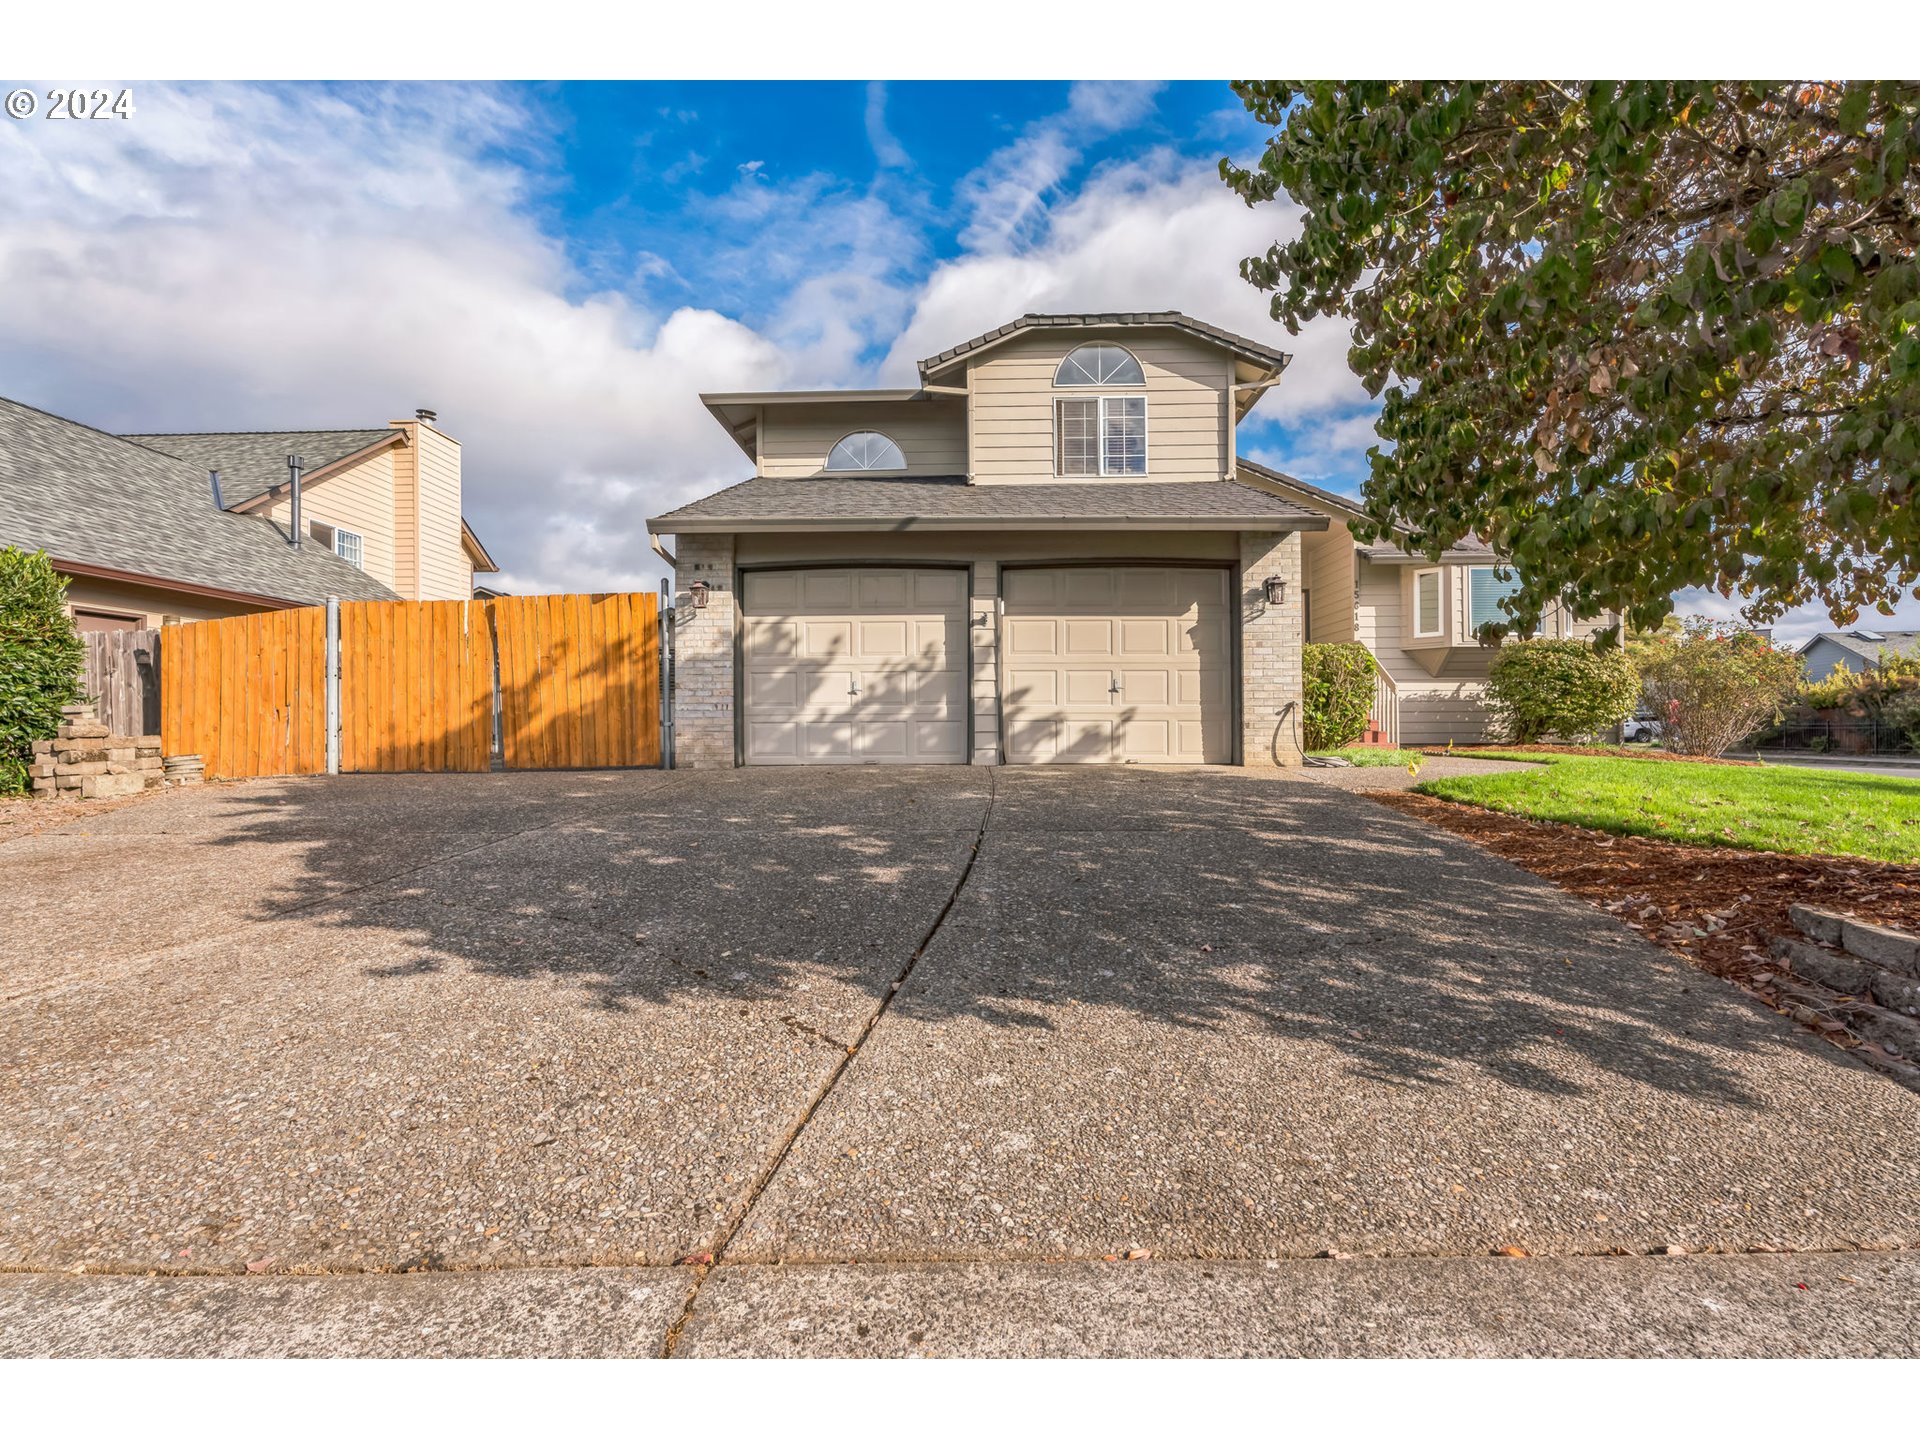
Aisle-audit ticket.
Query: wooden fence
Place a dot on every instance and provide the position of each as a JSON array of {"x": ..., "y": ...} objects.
[
  {"x": 247, "y": 695},
  {"x": 121, "y": 675},
  {"x": 573, "y": 681}
]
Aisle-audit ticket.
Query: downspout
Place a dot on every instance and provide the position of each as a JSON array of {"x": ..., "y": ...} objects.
[{"x": 294, "y": 466}]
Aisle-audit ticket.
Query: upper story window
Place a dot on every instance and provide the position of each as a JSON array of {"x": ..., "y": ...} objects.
[
  {"x": 1099, "y": 365},
  {"x": 866, "y": 450},
  {"x": 1100, "y": 434},
  {"x": 344, "y": 543}
]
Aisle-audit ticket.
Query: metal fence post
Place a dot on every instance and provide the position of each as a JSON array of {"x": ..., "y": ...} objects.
[
  {"x": 333, "y": 685},
  {"x": 666, "y": 674}
]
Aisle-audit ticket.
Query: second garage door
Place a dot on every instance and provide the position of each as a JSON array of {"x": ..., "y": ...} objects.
[
  {"x": 1116, "y": 663},
  {"x": 855, "y": 667}
]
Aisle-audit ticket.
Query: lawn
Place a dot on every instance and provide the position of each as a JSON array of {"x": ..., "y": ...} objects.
[
  {"x": 1372, "y": 755},
  {"x": 1800, "y": 812}
]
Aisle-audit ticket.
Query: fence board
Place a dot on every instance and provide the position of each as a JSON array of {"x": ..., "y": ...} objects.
[
  {"x": 230, "y": 694},
  {"x": 411, "y": 682}
]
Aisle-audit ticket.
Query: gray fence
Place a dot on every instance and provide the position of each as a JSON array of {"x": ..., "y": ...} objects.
[{"x": 122, "y": 678}]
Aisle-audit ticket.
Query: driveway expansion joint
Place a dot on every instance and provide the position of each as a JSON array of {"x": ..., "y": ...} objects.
[{"x": 704, "y": 1264}]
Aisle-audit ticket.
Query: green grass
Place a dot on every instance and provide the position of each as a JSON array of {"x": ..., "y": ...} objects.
[
  {"x": 1369, "y": 755},
  {"x": 1801, "y": 812}
]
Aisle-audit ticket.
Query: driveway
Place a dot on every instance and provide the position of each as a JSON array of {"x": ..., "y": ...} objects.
[{"x": 503, "y": 1028}]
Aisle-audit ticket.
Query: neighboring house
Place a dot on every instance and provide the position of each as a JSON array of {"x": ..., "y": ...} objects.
[
  {"x": 1855, "y": 650},
  {"x": 134, "y": 523}
]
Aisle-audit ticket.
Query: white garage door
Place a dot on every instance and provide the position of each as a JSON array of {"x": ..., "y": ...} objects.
[
  {"x": 855, "y": 667},
  {"x": 1117, "y": 663}
]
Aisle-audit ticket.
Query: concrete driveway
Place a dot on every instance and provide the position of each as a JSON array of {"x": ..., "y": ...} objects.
[{"x": 542, "y": 1036}]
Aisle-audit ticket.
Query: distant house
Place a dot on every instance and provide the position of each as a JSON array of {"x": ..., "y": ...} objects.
[
  {"x": 145, "y": 536},
  {"x": 1855, "y": 650}
]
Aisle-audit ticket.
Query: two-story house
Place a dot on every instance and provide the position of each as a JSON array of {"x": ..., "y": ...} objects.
[
  {"x": 153, "y": 529},
  {"x": 1047, "y": 550}
]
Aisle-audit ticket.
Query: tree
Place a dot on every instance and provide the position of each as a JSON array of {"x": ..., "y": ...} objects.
[
  {"x": 1537, "y": 688},
  {"x": 1640, "y": 336},
  {"x": 40, "y": 659},
  {"x": 1711, "y": 685}
]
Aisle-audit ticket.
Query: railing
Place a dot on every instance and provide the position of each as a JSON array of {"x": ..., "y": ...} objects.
[
  {"x": 1386, "y": 706},
  {"x": 1827, "y": 735}
]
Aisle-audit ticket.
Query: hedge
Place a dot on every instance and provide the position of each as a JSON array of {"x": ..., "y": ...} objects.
[
  {"x": 1339, "y": 694},
  {"x": 1563, "y": 688},
  {"x": 40, "y": 656}
]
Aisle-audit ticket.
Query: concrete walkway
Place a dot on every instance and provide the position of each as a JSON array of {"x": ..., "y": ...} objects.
[{"x": 546, "y": 1035}]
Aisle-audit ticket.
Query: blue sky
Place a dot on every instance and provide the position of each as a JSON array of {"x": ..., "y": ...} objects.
[{"x": 559, "y": 270}]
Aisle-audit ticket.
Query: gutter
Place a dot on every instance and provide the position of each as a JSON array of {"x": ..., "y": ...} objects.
[
  {"x": 157, "y": 582},
  {"x": 725, "y": 525}
]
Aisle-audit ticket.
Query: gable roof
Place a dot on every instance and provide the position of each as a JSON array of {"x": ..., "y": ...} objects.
[
  {"x": 952, "y": 504},
  {"x": 1252, "y": 350},
  {"x": 1470, "y": 548},
  {"x": 1870, "y": 645},
  {"x": 104, "y": 504},
  {"x": 253, "y": 462}
]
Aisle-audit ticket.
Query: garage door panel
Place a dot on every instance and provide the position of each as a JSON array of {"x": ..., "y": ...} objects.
[
  {"x": 1163, "y": 633},
  {"x": 854, "y": 666}
]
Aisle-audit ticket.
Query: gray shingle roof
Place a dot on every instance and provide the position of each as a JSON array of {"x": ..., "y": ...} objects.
[
  {"x": 952, "y": 504},
  {"x": 92, "y": 498},
  {"x": 1161, "y": 319},
  {"x": 251, "y": 462},
  {"x": 1471, "y": 547},
  {"x": 1884, "y": 642}
]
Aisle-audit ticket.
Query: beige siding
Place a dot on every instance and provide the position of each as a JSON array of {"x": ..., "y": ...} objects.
[
  {"x": 445, "y": 571},
  {"x": 1328, "y": 576},
  {"x": 360, "y": 500},
  {"x": 406, "y": 515},
  {"x": 1012, "y": 396},
  {"x": 151, "y": 605},
  {"x": 1434, "y": 708},
  {"x": 932, "y": 434}
]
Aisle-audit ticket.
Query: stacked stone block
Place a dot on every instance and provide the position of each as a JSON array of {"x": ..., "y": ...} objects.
[
  {"x": 84, "y": 761},
  {"x": 1877, "y": 967}
]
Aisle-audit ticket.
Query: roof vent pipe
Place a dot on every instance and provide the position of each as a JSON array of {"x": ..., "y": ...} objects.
[
  {"x": 427, "y": 416},
  {"x": 294, "y": 466},
  {"x": 213, "y": 479}
]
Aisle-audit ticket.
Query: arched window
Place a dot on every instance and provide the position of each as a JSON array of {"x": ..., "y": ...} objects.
[
  {"x": 866, "y": 450},
  {"x": 1099, "y": 434},
  {"x": 1099, "y": 365}
]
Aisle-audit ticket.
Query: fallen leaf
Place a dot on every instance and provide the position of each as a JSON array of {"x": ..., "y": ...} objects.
[
  {"x": 704, "y": 1257},
  {"x": 1515, "y": 1252},
  {"x": 254, "y": 1267}
]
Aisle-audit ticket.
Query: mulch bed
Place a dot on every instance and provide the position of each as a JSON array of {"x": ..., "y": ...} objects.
[
  {"x": 1619, "y": 751},
  {"x": 1718, "y": 909}
]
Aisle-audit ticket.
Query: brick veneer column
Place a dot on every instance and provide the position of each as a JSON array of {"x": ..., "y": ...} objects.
[
  {"x": 983, "y": 630},
  {"x": 703, "y": 655},
  {"x": 1270, "y": 639}
]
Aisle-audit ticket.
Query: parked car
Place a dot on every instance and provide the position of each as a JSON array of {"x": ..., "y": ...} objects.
[{"x": 1641, "y": 730}]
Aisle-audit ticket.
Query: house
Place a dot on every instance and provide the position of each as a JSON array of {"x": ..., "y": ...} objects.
[
  {"x": 1047, "y": 550},
  {"x": 1855, "y": 650},
  {"x": 1418, "y": 617},
  {"x": 154, "y": 529}
]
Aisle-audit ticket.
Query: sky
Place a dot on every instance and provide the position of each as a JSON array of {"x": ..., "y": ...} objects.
[{"x": 560, "y": 270}]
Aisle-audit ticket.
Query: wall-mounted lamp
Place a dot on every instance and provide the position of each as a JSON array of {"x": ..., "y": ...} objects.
[
  {"x": 698, "y": 590},
  {"x": 1275, "y": 589}
]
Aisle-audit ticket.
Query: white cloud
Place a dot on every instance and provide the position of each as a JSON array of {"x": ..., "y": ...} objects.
[
  {"x": 262, "y": 258},
  {"x": 1800, "y": 622},
  {"x": 887, "y": 150}
]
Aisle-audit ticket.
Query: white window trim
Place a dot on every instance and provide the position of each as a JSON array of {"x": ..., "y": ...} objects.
[
  {"x": 1060, "y": 384},
  {"x": 827, "y": 467},
  {"x": 1474, "y": 622},
  {"x": 1100, "y": 435},
  {"x": 359, "y": 562},
  {"x": 1439, "y": 605}
]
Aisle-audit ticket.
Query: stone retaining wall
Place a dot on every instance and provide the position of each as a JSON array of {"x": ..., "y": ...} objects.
[
  {"x": 1876, "y": 967},
  {"x": 86, "y": 761}
]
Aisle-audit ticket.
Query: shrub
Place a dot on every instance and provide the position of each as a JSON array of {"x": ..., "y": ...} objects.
[
  {"x": 1712, "y": 686},
  {"x": 1339, "y": 694},
  {"x": 1902, "y": 712},
  {"x": 39, "y": 659},
  {"x": 1563, "y": 688}
]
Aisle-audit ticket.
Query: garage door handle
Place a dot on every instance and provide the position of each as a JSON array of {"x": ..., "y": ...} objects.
[{"x": 1113, "y": 683}]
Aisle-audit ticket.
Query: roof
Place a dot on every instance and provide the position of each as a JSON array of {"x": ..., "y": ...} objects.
[
  {"x": 1869, "y": 645},
  {"x": 952, "y": 504},
  {"x": 1253, "y": 350},
  {"x": 252, "y": 462},
  {"x": 1470, "y": 548},
  {"x": 100, "y": 502}
]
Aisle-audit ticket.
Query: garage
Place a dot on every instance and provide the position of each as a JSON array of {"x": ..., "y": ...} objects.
[
  {"x": 854, "y": 666},
  {"x": 1113, "y": 664}
]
